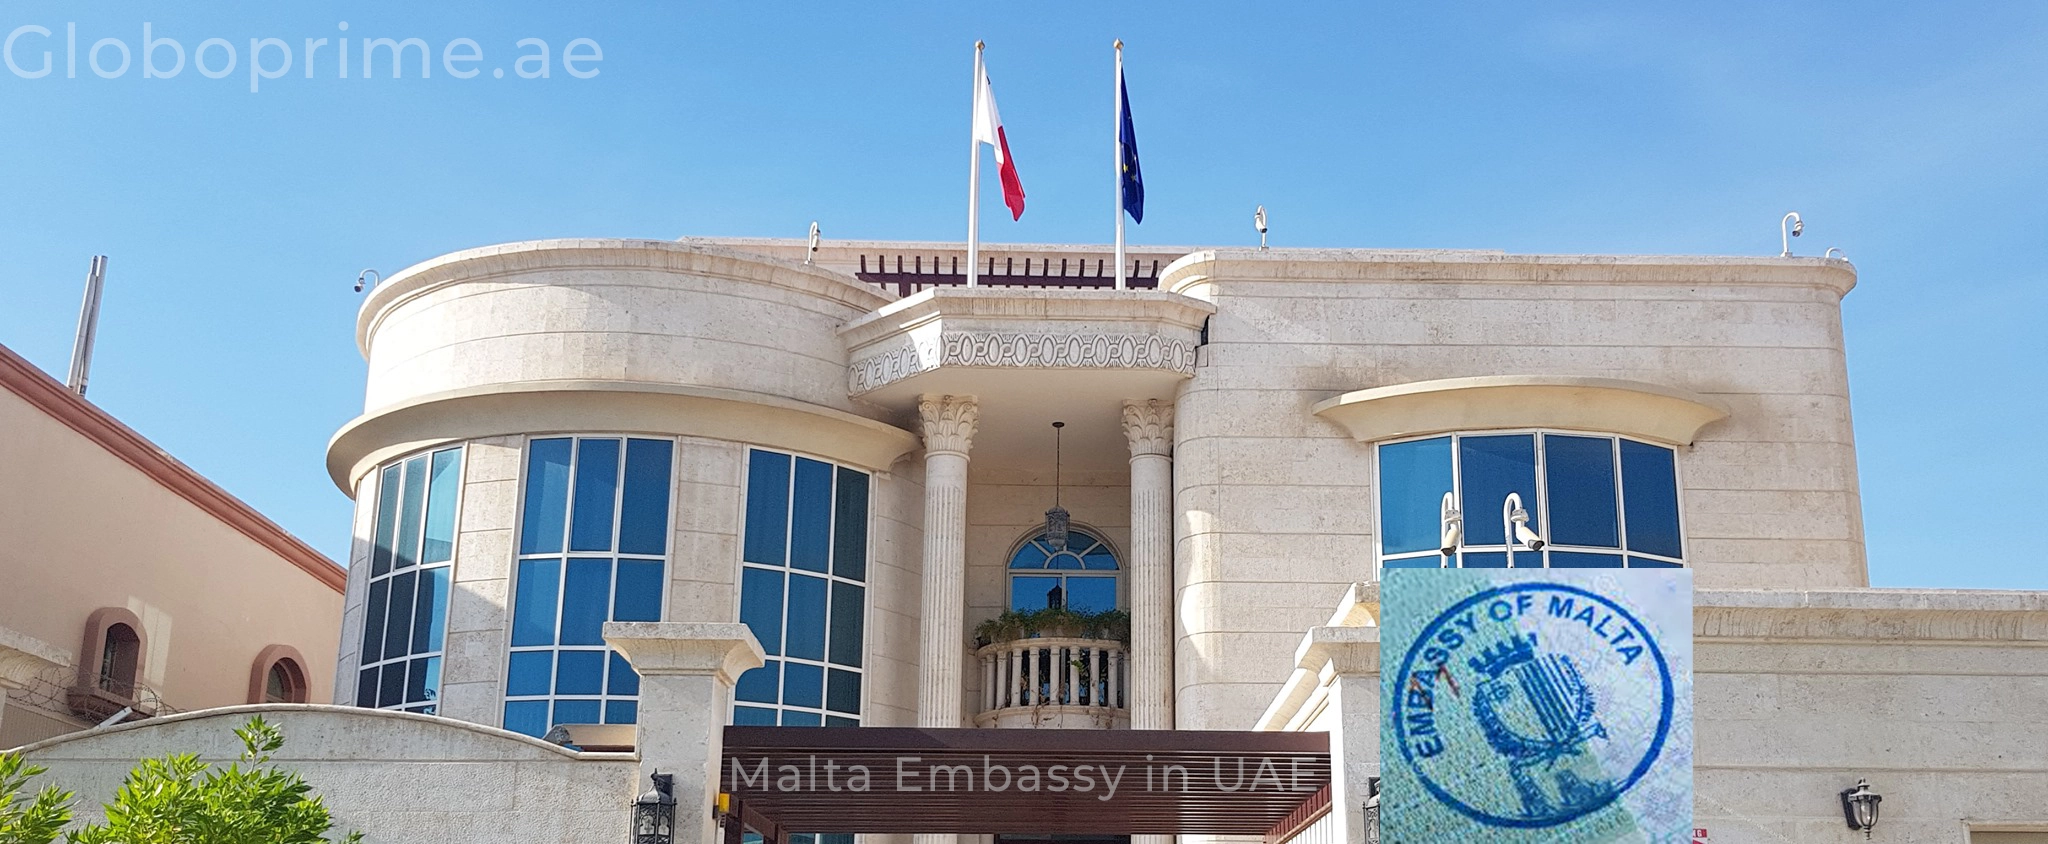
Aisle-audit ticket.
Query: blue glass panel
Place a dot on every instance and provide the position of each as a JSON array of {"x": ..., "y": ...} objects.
[
  {"x": 1091, "y": 594},
  {"x": 759, "y": 684},
  {"x": 409, "y": 508},
  {"x": 597, "y": 488},
  {"x": 530, "y": 673},
  {"x": 803, "y": 685},
  {"x": 836, "y": 837},
  {"x": 446, "y": 476},
  {"x": 366, "y": 687},
  {"x": 586, "y": 601},
  {"x": 423, "y": 682},
  {"x": 1413, "y": 479},
  {"x": 810, "y": 528},
  {"x": 806, "y": 638},
  {"x": 843, "y": 693},
  {"x": 753, "y": 716},
  {"x": 841, "y": 721},
  {"x": 849, "y": 609},
  {"x": 1579, "y": 560},
  {"x": 767, "y": 507},
  {"x": 850, "y": 526},
  {"x": 1491, "y": 467},
  {"x": 1432, "y": 561},
  {"x": 1646, "y": 563},
  {"x": 799, "y": 719},
  {"x": 391, "y": 686},
  {"x": 1031, "y": 556},
  {"x": 576, "y": 712},
  {"x": 373, "y": 621},
  {"x": 638, "y": 594},
  {"x": 1064, "y": 560},
  {"x": 1499, "y": 560},
  {"x": 579, "y": 673},
  {"x": 1649, "y": 491},
  {"x": 398, "y": 624},
  {"x": 761, "y": 606},
  {"x": 623, "y": 680},
  {"x": 1029, "y": 592},
  {"x": 533, "y": 608},
  {"x": 621, "y": 712},
  {"x": 1579, "y": 477},
  {"x": 643, "y": 516},
  {"x": 1099, "y": 559},
  {"x": 430, "y": 610},
  {"x": 527, "y": 716},
  {"x": 547, "y": 496},
  {"x": 387, "y": 520}
]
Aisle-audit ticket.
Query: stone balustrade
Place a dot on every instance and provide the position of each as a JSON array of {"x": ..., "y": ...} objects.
[{"x": 1055, "y": 683}]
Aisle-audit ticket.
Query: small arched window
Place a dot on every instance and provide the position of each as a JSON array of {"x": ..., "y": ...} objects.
[
  {"x": 1081, "y": 576},
  {"x": 111, "y": 661},
  {"x": 279, "y": 676}
]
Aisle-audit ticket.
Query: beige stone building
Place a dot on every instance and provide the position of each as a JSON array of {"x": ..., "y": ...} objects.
[
  {"x": 135, "y": 587},
  {"x": 604, "y": 483}
]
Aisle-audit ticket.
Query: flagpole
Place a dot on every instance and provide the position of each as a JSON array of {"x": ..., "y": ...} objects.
[
  {"x": 974, "y": 177},
  {"x": 1117, "y": 111}
]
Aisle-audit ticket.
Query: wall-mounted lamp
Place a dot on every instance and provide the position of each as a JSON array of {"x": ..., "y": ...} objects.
[
  {"x": 654, "y": 814},
  {"x": 1789, "y": 227},
  {"x": 1372, "y": 810},
  {"x": 1859, "y": 807},
  {"x": 1453, "y": 526}
]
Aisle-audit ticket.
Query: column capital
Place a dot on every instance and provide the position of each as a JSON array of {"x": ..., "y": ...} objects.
[
  {"x": 721, "y": 649},
  {"x": 949, "y": 423},
  {"x": 1149, "y": 427}
]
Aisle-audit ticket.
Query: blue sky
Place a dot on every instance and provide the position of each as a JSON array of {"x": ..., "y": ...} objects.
[{"x": 1913, "y": 136}]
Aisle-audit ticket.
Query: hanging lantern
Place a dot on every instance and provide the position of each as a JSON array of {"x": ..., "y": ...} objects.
[
  {"x": 654, "y": 814},
  {"x": 1056, "y": 519}
]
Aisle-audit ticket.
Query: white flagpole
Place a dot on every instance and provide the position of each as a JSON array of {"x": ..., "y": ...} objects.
[
  {"x": 1117, "y": 94},
  {"x": 974, "y": 177}
]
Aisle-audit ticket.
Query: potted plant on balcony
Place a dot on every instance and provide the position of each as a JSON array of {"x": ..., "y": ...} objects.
[{"x": 1055, "y": 623}]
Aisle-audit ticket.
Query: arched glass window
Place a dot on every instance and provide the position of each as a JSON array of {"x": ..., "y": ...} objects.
[
  {"x": 1597, "y": 501},
  {"x": 119, "y": 657},
  {"x": 279, "y": 676},
  {"x": 1081, "y": 577}
]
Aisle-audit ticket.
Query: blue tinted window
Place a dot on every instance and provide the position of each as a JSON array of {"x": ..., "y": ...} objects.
[
  {"x": 577, "y": 712},
  {"x": 1582, "y": 560},
  {"x": 1489, "y": 469},
  {"x": 533, "y": 613},
  {"x": 597, "y": 488},
  {"x": 1647, "y": 563},
  {"x": 761, "y": 606},
  {"x": 1032, "y": 592},
  {"x": 547, "y": 496},
  {"x": 1579, "y": 475},
  {"x": 767, "y": 508},
  {"x": 409, "y": 507},
  {"x": 637, "y": 596},
  {"x": 1413, "y": 479},
  {"x": 622, "y": 679},
  {"x": 441, "y": 488},
  {"x": 621, "y": 711},
  {"x": 1649, "y": 479},
  {"x": 398, "y": 624},
  {"x": 643, "y": 518},
  {"x": 527, "y": 716},
  {"x": 586, "y": 601},
  {"x": 843, "y": 691},
  {"x": 1499, "y": 559},
  {"x": 1091, "y": 594},
  {"x": 388, "y": 483},
  {"x": 530, "y": 673},
  {"x": 1432, "y": 561},
  {"x": 579, "y": 673},
  {"x": 430, "y": 610},
  {"x": 373, "y": 621},
  {"x": 805, "y": 552}
]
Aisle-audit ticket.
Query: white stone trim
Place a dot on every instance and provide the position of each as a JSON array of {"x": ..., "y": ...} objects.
[{"x": 1573, "y": 403}]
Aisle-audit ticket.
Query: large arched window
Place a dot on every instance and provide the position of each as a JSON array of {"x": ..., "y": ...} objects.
[
  {"x": 1597, "y": 501},
  {"x": 111, "y": 661},
  {"x": 1081, "y": 577}
]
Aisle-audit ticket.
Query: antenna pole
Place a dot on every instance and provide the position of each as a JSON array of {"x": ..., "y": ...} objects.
[{"x": 88, "y": 326}]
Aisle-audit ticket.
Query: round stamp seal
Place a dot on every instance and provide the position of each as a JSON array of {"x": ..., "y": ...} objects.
[{"x": 1532, "y": 704}]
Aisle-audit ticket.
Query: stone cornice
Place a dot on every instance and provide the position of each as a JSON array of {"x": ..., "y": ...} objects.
[
  {"x": 721, "y": 649},
  {"x": 949, "y": 423},
  {"x": 1148, "y": 425},
  {"x": 1198, "y": 269},
  {"x": 1873, "y": 615}
]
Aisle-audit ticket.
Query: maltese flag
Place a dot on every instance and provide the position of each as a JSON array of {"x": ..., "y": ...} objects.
[{"x": 988, "y": 129}]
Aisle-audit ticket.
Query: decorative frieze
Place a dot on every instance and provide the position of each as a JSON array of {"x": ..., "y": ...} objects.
[{"x": 1024, "y": 350}]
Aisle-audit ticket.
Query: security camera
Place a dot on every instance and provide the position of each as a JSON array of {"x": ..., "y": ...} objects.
[
  {"x": 1453, "y": 526},
  {"x": 1797, "y": 227},
  {"x": 1527, "y": 537}
]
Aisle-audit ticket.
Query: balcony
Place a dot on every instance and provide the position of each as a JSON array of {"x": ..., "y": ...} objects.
[{"x": 1054, "y": 683}]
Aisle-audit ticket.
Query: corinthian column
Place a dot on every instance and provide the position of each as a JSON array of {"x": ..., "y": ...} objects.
[
  {"x": 949, "y": 423},
  {"x": 1149, "y": 427}
]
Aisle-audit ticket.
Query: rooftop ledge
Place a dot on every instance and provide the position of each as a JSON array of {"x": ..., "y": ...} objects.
[{"x": 1197, "y": 269}]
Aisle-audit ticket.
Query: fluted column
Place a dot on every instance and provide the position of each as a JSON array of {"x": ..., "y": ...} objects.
[
  {"x": 1149, "y": 427},
  {"x": 949, "y": 423}
]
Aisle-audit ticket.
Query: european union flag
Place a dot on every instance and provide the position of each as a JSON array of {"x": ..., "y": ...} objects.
[{"x": 1127, "y": 140}]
